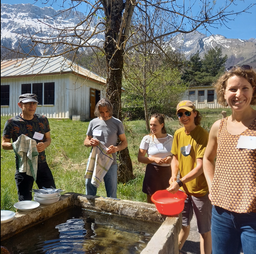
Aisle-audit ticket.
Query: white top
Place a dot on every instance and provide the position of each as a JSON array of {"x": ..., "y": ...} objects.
[{"x": 157, "y": 147}]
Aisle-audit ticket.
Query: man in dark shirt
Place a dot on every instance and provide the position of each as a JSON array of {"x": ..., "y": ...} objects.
[{"x": 36, "y": 127}]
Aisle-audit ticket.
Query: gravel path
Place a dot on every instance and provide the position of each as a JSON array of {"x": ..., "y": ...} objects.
[{"x": 192, "y": 245}]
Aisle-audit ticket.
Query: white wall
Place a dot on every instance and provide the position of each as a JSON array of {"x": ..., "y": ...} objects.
[
  {"x": 204, "y": 103},
  {"x": 71, "y": 95},
  {"x": 79, "y": 95},
  {"x": 58, "y": 110}
]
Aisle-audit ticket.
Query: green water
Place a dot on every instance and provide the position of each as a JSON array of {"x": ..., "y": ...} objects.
[{"x": 78, "y": 231}]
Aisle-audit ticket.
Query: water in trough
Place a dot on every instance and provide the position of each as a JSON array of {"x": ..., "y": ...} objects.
[{"x": 79, "y": 231}]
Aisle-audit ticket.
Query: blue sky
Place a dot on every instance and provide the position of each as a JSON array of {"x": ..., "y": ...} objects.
[{"x": 242, "y": 27}]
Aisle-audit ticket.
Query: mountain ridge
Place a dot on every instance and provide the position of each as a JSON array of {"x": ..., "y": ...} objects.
[
  {"x": 238, "y": 51},
  {"x": 22, "y": 19}
]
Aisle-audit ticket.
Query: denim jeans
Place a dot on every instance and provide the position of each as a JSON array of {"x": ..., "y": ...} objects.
[
  {"x": 110, "y": 180},
  {"x": 233, "y": 232}
]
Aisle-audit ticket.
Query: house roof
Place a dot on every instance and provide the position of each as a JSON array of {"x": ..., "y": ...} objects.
[
  {"x": 44, "y": 66},
  {"x": 201, "y": 87}
]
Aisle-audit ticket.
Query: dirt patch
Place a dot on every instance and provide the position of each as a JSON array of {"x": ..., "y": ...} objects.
[
  {"x": 68, "y": 164},
  {"x": 78, "y": 167}
]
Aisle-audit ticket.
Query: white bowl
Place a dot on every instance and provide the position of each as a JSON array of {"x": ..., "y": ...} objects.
[
  {"x": 47, "y": 192},
  {"x": 7, "y": 216},
  {"x": 45, "y": 195},
  {"x": 47, "y": 198},
  {"x": 26, "y": 205},
  {"x": 47, "y": 201}
]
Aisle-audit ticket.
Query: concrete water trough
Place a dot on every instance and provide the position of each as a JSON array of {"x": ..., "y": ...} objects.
[{"x": 165, "y": 239}]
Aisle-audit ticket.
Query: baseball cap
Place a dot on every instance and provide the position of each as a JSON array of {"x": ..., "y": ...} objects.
[
  {"x": 28, "y": 97},
  {"x": 188, "y": 105}
]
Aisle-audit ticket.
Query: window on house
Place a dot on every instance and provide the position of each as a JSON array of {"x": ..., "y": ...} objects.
[
  {"x": 44, "y": 92},
  {"x": 210, "y": 95},
  {"x": 25, "y": 88},
  {"x": 49, "y": 93},
  {"x": 5, "y": 95},
  {"x": 38, "y": 90},
  {"x": 192, "y": 95},
  {"x": 201, "y": 96}
]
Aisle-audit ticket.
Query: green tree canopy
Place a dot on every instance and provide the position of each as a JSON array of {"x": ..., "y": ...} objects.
[
  {"x": 213, "y": 62},
  {"x": 203, "y": 72},
  {"x": 153, "y": 82}
]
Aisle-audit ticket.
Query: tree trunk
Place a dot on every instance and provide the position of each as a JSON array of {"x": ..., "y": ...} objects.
[
  {"x": 145, "y": 94},
  {"x": 145, "y": 69},
  {"x": 146, "y": 111},
  {"x": 114, "y": 56}
]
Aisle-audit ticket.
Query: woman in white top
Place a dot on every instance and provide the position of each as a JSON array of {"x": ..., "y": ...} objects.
[{"x": 155, "y": 151}]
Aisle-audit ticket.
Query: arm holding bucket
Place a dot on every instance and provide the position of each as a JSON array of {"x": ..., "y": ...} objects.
[{"x": 194, "y": 173}]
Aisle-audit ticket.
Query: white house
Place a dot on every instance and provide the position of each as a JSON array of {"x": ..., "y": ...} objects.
[
  {"x": 64, "y": 89},
  {"x": 202, "y": 96}
]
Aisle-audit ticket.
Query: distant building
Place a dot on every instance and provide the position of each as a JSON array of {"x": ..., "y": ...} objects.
[
  {"x": 202, "y": 96},
  {"x": 64, "y": 89}
]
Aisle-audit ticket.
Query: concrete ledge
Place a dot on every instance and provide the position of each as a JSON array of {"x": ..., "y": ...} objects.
[
  {"x": 139, "y": 210},
  {"x": 165, "y": 240}
]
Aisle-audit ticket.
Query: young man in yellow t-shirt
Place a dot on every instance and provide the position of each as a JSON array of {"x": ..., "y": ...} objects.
[{"x": 188, "y": 148}]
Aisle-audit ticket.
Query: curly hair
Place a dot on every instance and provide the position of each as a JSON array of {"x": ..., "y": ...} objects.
[{"x": 221, "y": 83}]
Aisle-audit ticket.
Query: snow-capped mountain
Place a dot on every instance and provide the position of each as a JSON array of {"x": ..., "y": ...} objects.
[
  {"x": 19, "y": 20},
  {"x": 238, "y": 51}
]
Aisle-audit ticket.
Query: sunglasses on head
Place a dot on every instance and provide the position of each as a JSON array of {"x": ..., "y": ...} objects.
[
  {"x": 244, "y": 67},
  {"x": 186, "y": 113}
]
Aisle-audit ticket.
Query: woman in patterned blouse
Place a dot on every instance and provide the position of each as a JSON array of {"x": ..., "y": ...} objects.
[{"x": 232, "y": 177}]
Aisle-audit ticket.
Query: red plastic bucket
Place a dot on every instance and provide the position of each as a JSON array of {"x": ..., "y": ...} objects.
[{"x": 168, "y": 203}]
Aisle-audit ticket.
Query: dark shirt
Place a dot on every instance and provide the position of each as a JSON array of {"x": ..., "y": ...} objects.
[{"x": 16, "y": 126}]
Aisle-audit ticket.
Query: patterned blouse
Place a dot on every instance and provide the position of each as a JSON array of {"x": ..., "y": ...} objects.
[
  {"x": 16, "y": 126},
  {"x": 234, "y": 182}
]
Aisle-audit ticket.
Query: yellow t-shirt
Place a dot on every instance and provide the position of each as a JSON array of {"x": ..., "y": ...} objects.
[{"x": 188, "y": 148}]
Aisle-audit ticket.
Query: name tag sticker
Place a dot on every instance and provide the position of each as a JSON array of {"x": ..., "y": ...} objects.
[
  {"x": 185, "y": 150},
  {"x": 38, "y": 136},
  {"x": 188, "y": 148},
  {"x": 97, "y": 133},
  {"x": 247, "y": 142}
]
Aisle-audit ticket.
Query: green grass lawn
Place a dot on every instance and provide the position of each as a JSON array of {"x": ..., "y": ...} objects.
[{"x": 67, "y": 157}]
